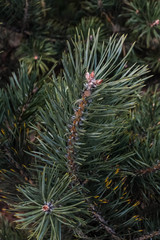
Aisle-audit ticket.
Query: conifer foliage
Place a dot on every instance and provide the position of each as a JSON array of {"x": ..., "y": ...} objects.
[
  {"x": 79, "y": 140},
  {"x": 81, "y": 165}
]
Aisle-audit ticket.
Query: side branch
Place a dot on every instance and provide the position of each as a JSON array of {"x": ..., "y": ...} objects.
[
  {"x": 103, "y": 223},
  {"x": 149, "y": 236},
  {"x": 149, "y": 170},
  {"x": 77, "y": 118}
]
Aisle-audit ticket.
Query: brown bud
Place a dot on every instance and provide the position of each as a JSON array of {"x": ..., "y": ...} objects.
[{"x": 87, "y": 93}]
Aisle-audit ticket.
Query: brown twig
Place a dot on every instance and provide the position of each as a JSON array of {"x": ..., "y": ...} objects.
[
  {"x": 25, "y": 15},
  {"x": 103, "y": 223},
  {"x": 147, "y": 236},
  {"x": 28, "y": 101},
  {"x": 108, "y": 18},
  {"x": 149, "y": 170}
]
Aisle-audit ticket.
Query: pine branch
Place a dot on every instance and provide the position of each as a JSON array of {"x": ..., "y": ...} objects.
[
  {"x": 103, "y": 223},
  {"x": 55, "y": 203},
  {"x": 73, "y": 135},
  {"x": 149, "y": 236},
  {"x": 25, "y": 106},
  {"x": 148, "y": 170},
  {"x": 21, "y": 169},
  {"x": 147, "y": 14},
  {"x": 90, "y": 85},
  {"x": 78, "y": 117}
]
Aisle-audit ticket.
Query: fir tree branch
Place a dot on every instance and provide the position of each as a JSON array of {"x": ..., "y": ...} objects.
[{"x": 155, "y": 233}]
